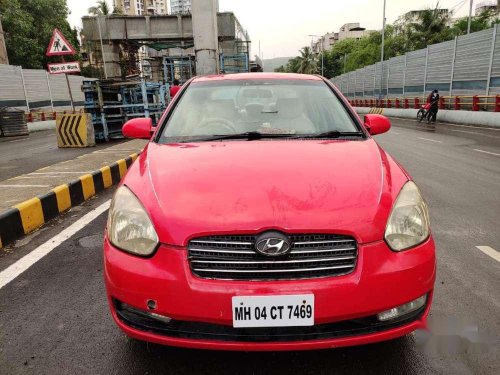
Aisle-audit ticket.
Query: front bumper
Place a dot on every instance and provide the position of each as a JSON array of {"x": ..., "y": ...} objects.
[{"x": 201, "y": 309}]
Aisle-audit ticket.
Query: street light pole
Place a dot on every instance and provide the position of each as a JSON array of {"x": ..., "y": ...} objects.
[
  {"x": 470, "y": 17},
  {"x": 322, "y": 58},
  {"x": 382, "y": 52}
]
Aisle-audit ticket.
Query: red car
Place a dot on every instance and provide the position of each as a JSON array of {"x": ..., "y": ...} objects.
[{"x": 262, "y": 215}]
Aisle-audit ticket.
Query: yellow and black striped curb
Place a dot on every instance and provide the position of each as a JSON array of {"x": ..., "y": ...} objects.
[
  {"x": 29, "y": 215},
  {"x": 376, "y": 111}
]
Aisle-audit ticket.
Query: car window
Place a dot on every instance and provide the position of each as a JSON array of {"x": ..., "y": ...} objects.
[{"x": 297, "y": 107}]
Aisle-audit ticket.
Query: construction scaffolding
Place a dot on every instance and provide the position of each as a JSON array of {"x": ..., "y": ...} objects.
[
  {"x": 180, "y": 68},
  {"x": 113, "y": 103}
]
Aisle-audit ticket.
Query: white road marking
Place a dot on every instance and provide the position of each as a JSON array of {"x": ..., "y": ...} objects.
[
  {"x": 457, "y": 125},
  {"x": 490, "y": 252},
  {"x": 22, "y": 186},
  {"x": 486, "y": 152},
  {"x": 430, "y": 140},
  {"x": 19, "y": 140},
  {"x": 39, "y": 176},
  {"x": 393, "y": 132},
  {"x": 476, "y": 133},
  {"x": 468, "y": 126},
  {"x": 56, "y": 172},
  {"x": 16, "y": 269}
]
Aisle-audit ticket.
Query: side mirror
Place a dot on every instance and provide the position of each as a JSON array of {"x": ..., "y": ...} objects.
[
  {"x": 377, "y": 124},
  {"x": 138, "y": 128}
]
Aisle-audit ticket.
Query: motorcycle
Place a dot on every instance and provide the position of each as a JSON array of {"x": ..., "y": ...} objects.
[{"x": 423, "y": 112}]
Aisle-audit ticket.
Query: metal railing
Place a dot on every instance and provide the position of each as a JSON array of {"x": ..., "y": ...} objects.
[{"x": 459, "y": 102}]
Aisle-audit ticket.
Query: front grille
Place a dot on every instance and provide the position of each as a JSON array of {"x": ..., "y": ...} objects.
[{"x": 235, "y": 258}]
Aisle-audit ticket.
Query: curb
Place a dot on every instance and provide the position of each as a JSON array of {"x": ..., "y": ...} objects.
[{"x": 26, "y": 217}]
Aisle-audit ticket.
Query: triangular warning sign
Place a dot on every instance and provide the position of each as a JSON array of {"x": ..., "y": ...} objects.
[{"x": 59, "y": 46}]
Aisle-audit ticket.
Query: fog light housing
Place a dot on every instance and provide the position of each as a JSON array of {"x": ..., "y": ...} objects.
[
  {"x": 400, "y": 311},
  {"x": 127, "y": 308}
]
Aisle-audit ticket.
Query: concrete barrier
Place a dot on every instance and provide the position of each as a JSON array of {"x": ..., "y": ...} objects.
[
  {"x": 490, "y": 119},
  {"x": 75, "y": 131},
  {"x": 41, "y": 125}
]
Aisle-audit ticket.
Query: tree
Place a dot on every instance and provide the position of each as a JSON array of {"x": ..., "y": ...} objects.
[
  {"x": 307, "y": 63},
  {"x": 415, "y": 30},
  {"x": 28, "y": 27},
  {"x": 100, "y": 9},
  {"x": 424, "y": 27},
  {"x": 483, "y": 21}
]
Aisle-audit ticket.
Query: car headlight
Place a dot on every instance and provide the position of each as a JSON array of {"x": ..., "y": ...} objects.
[
  {"x": 129, "y": 226},
  {"x": 408, "y": 224}
]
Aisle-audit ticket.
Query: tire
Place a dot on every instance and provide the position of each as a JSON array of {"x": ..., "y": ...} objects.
[{"x": 421, "y": 115}]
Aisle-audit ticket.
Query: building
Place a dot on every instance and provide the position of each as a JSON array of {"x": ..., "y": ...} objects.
[
  {"x": 141, "y": 7},
  {"x": 487, "y": 5},
  {"x": 180, "y": 6},
  {"x": 347, "y": 31}
]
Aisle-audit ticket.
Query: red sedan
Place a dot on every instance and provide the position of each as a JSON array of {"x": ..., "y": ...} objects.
[{"x": 262, "y": 215}]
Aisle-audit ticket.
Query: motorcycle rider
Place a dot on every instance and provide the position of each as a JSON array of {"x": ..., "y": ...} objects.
[{"x": 433, "y": 99}]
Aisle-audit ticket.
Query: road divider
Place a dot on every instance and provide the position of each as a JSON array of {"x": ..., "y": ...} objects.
[{"x": 31, "y": 214}]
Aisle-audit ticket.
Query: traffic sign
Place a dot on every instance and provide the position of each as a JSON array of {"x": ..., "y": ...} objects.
[
  {"x": 62, "y": 68},
  {"x": 59, "y": 46}
]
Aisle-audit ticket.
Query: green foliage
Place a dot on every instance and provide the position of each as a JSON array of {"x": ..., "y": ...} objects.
[
  {"x": 100, "y": 9},
  {"x": 483, "y": 21},
  {"x": 413, "y": 31},
  {"x": 425, "y": 27},
  {"x": 92, "y": 72},
  {"x": 28, "y": 27},
  {"x": 307, "y": 63}
]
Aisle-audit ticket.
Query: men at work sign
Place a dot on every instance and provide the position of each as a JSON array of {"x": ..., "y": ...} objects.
[
  {"x": 61, "y": 68},
  {"x": 59, "y": 46}
]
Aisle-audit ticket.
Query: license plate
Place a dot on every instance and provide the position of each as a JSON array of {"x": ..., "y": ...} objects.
[{"x": 273, "y": 311}]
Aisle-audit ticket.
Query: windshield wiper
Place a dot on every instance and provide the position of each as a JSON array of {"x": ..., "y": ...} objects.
[
  {"x": 249, "y": 136},
  {"x": 334, "y": 134}
]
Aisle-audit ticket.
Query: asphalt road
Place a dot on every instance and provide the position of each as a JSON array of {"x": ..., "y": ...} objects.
[
  {"x": 54, "y": 317},
  {"x": 20, "y": 155}
]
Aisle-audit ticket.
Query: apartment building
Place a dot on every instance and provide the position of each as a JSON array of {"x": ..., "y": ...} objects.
[
  {"x": 347, "y": 31},
  {"x": 180, "y": 6},
  {"x": 142, "y": 7}
]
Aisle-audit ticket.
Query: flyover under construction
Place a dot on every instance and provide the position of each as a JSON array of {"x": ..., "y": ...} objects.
[{"x": 164, "y": 48}]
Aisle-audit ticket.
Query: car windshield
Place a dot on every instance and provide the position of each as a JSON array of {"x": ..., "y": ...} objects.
[{"x": 266, "y": 108}]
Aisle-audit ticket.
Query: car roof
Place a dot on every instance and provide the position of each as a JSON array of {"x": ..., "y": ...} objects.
[{"x": 254, "y": 76}]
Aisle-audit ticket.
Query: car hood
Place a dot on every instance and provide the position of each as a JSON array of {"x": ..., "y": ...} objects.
[{"x": 340, "y": 187}]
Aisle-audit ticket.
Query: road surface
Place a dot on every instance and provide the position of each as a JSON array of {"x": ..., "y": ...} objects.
[
  {"x": 20, "y": 155},
  {"x": 54, "y": 317}
]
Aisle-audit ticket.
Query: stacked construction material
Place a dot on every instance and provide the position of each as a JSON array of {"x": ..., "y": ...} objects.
[
  {"x": 12, "y": 122},
  {"x": 112, "y": 103}
]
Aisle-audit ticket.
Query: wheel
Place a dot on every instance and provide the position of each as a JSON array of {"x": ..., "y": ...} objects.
[{"x": 421, "y": 115}]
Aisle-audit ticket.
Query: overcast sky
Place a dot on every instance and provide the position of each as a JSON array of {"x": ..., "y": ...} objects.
[{"x": 283, "y": 26}]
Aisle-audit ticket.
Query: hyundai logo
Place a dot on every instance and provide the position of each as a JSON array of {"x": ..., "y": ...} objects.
[{"x": 273, "y": 244}]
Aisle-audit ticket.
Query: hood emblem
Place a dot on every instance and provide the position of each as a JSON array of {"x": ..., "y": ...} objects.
[{"x": 273, "y": 244}]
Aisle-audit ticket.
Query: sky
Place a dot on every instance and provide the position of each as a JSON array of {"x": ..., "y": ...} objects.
[{"x": 283, "y": 26}]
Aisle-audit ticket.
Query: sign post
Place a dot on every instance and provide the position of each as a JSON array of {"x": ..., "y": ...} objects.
[{"x": 59, "y": 46}]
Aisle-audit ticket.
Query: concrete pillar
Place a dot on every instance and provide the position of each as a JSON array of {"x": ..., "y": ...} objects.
[
  {"x": 206, "y": 39},
  {"x": 112, "y": 60},
  {"x": 157, "y": 69},
  {"x": 4, "y": 59}
]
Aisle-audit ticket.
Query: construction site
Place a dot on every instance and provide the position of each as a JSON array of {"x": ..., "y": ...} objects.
[{"x": 138, "y": 58}]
